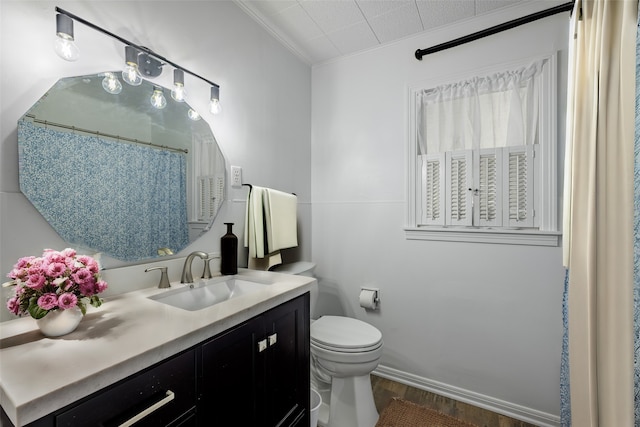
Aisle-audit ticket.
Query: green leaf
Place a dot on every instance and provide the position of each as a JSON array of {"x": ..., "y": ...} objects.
[
  {"x": 96, "y": 301},
  {"x": 35, "y": 310}
]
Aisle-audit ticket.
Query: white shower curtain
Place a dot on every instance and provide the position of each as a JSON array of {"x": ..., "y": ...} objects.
[{"x": 598, "y": 226}]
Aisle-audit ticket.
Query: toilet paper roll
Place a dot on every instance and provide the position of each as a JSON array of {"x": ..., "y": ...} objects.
[{"x": 368, "y": 299}]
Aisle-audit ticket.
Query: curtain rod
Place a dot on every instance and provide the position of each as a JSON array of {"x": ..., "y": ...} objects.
[
  {"x": 566, "y": 7},
  {"x": 127, "y": 42},
  {"x": 97, "y": 133}
]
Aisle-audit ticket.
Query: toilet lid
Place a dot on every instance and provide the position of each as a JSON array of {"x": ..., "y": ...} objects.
[
  {"x": 297, "y": 267},
  {"x": 336, "y": 332}
]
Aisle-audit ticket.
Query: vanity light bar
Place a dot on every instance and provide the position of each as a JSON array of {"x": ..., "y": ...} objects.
[{"x": 140, "y": 48}]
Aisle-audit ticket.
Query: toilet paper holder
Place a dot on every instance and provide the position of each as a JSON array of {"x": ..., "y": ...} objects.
[{"x": 369, "y": 298}]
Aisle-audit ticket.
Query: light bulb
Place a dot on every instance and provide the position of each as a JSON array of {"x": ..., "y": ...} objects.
[
  {"x": 193, "y": 115},
  {"x": 111, "y": 84},
  {"x": 157, "y": 98},
  {"x": 214, "y": 105},
  {"x": 66, "y": 48},
  {"x": 64, "y": 45},
  {"x": 130, "y": 74},
  {"x": 178, "y": 93}
]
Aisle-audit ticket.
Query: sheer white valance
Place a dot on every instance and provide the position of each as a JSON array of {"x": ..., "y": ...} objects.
[{"x": 499, "y": 110}]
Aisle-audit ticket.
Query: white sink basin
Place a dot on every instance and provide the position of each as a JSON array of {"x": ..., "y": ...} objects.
[{"x": 205, "y": 293}]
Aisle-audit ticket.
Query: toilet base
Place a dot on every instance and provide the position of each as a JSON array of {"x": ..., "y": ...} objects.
[
  {"x": 323, "y": 415},
  {"x": 351, "y": 403}
]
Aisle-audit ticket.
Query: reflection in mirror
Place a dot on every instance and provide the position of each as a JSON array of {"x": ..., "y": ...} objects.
[{"x": 113, "y": 174}]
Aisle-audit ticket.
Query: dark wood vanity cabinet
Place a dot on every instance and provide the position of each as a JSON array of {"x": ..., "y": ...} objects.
[{"x": 255, "y": 374}]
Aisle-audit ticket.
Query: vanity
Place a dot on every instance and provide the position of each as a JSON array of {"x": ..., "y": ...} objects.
[
  {"x": 148, "y": 357},
  {"x": 140, "y": 361}
]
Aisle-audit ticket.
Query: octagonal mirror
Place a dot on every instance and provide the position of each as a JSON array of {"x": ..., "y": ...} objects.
[{"x": 114, "y": 174}]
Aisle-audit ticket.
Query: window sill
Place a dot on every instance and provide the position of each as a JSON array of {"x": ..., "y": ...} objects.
[{"x": 484, "y": 235}]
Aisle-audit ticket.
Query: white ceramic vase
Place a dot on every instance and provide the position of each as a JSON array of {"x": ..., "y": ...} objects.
[{"x": 60, "y": 322}]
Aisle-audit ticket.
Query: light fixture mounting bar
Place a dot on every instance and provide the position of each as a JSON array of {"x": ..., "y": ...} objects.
[{"x": 127, "y": 42}]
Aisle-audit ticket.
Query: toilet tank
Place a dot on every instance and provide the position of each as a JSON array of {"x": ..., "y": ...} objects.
[
  {"x": 299, "y": 268},
  {"x": 302, "y": 268}
]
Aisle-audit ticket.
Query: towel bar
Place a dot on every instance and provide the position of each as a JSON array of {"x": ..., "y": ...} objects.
[{"x": 251, "y": 188}]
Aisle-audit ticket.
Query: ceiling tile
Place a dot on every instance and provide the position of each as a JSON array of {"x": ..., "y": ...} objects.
[
  {"x": 353, "y": 38},
  {"x": 318, "y": 30},
  {"x": 271, "y": 7},
  {"x": 332, "y": 15},
  {"x": 296, "y": 23},
  {"x": 319, "y": 49},
  {"x": 435, "y": 13},
  {"x": 373, "y": 8},
  {"x": 483, "y": 6},
  {"x": 398, "y": 23}
]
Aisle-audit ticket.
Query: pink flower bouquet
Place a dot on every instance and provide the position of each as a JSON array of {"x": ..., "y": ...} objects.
[{"x": 55, "y": 281}]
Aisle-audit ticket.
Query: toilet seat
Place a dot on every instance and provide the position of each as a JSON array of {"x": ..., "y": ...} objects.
[{"x": 345, "y": 335}]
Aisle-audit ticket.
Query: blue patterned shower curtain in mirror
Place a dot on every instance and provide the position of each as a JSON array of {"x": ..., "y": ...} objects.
[{"x": 140, "y": 200}]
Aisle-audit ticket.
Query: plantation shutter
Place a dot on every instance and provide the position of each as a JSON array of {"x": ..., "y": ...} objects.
[
  {"x": 210, "y": 195},
  {"x": 518, "y": 178},
  {"x": 433, "y": 196},
  {"x": 458, "y": 187},
  {"x": 488, "y": 181}
]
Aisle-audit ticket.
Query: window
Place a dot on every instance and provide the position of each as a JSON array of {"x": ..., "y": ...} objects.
[{"x": 483, "y": 161}]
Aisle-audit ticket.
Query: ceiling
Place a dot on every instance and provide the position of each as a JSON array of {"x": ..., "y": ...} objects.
[{"x": 320, "y": 30}]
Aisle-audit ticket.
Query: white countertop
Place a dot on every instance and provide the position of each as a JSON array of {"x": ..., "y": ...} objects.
[{"x": 128, "y": 333}]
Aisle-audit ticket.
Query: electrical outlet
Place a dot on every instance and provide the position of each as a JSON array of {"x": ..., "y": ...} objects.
[{"x": 236, "y": 176}]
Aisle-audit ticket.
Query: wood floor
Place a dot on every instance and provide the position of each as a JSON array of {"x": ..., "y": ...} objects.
[{"x": 384, "y": 390}]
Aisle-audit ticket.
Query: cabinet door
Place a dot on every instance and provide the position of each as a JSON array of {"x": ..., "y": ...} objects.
[
  {"x": 232, "y": 378},
  {"x": 287, "y": 372},
  {"x": 257, "y": 374}
]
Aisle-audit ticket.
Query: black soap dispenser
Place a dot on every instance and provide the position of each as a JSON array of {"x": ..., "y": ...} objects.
[{"x": 229, "y": 252}]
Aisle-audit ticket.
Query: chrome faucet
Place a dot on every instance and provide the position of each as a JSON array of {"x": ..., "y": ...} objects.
[{"x": 187, "y": 277}]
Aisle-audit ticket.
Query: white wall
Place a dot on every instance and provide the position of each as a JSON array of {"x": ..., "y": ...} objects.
[
  {"x": 481, "y": 322},
  {"x": 265, "y": 91}
]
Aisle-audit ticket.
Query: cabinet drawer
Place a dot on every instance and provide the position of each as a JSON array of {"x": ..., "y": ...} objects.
[{"x": 164, "y": 391}]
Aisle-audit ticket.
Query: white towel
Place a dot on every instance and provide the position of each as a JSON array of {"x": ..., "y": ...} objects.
[
  {"x": 254, "y": 223},
  {"x": 281, "y": 219},
  {"x": 270, "y": 225}
]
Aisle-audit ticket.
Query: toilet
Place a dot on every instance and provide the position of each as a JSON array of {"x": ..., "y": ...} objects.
[{"x": 344, "y": 352}]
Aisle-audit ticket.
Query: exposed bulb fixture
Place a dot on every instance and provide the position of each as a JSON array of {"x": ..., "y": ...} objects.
[
  {"x": 178, "y": 93},
  {"x": 157, "y": 98},
  {"x": 130, "y": 73},
  {"x": 214, "y": 105},
  {"x": 111, "y": 84},
  {"x": 193, "y": 115},
  {"x": 64, "y": 45},
  {"x": 141, "y": 62}
]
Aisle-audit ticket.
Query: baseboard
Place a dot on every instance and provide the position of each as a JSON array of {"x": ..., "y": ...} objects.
[{"x": 509, "y": 409}]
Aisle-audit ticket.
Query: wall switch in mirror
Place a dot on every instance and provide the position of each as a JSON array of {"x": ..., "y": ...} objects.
[{"x": 236, "y": 176}]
